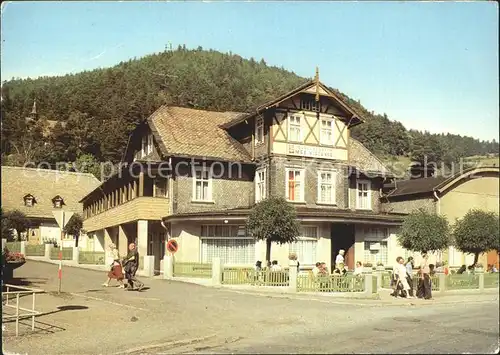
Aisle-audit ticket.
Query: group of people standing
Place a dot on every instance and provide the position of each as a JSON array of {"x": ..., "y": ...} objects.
[
  {"x": 125, "y": 268},
  {"x": 402, "y": 278}
]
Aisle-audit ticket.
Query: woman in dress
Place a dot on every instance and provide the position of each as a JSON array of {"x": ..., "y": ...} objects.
[{"x": 116, "y": 268}]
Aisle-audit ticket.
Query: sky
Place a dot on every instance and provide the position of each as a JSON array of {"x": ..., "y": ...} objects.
[{"x": 430, "y": 65}]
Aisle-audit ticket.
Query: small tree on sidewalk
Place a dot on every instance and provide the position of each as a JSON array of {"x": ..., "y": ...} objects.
[
  {"x": 74, "y": 227},
  {"x": 273, "y": 220},
  {"x": 476, "y": 233},
  {"x": 424, "y": 232}
]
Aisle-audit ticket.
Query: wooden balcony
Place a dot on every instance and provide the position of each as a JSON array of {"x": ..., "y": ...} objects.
[{"x": 139, "y": 208}]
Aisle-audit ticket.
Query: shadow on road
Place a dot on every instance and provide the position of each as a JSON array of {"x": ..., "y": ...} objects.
[{"x": 40, "y": 327}]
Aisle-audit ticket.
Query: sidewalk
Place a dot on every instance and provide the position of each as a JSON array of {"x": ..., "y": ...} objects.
[{"x": 381, "y": 298}]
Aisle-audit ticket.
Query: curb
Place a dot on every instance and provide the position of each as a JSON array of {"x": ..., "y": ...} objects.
[{"x": 169, "y": 343}]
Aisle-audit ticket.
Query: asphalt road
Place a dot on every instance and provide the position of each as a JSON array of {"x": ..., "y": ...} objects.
[{"x": 175, "y": 317}]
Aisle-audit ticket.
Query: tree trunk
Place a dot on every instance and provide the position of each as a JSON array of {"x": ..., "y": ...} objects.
[
  {"x": 476, "y": 257},
  {"x": 77, "y": 237},
  {"x": 268, "y": 251}
]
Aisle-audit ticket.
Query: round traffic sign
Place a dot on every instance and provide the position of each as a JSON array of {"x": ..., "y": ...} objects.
[{"x": 172, "y": 246}]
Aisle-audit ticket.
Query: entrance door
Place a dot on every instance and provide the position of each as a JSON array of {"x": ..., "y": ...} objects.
[{"x": 343, "y": 238}]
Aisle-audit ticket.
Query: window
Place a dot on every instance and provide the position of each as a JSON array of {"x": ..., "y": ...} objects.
[
  {"x": 306, "y": 245},
  {"x": 160, "y": 187},
  {"x": 376, "y": 251},
  {"x": 58, "y": 201},
  {"x": 146, "y": 145},
  {"x": 310, "y": 105},
  {"x": 260, "y": 185},
  {"x": 363, "y": 201},
  {"x": 29, "y": 200},
  {"x": 295, "y": 185},
  {"x": 259, "y": 131},
  {"x": 326, "y": 131},
  {"x": 294, "y": 130},
  {"x": 202, "y": 185},
  {"x": 326, "y": 186},
  {"x": 229, "y": 243}
]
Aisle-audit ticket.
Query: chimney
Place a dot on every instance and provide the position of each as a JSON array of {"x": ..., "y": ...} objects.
[{"x": 419, "y": 171}]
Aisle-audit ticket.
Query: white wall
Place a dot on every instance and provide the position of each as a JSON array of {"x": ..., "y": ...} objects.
[{"x": 50, "y": 231}]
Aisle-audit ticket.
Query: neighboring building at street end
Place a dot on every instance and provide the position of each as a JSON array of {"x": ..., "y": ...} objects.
[
  {"x": 452, "y": 197},
  {"x": 39, "y": 192},
  {"x": 297, "y": 146}
]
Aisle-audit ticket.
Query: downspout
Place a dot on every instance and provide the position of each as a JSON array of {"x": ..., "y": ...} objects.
[
  {"x": 438, "y": 210},
  {"x": 438, "y": 202}
]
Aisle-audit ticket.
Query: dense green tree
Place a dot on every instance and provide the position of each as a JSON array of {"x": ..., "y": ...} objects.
[
  {"x": 477, "y": 232},
  {"x": 74, "y": 227},
  {"x": 16, "y": 220},
  {"x": 275, "y": 221},
  {"x": 423, "y": 231}
]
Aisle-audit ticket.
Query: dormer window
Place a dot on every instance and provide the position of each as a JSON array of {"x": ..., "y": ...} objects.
[
  {"x": 58, "y": 201},
  {"x": 29, "y": 200}
]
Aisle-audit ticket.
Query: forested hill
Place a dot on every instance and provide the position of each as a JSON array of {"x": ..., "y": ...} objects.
[{"x": 101, "y": 106}]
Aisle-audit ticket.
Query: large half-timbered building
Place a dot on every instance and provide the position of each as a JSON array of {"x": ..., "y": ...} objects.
[{"x": 297, "y": 146}]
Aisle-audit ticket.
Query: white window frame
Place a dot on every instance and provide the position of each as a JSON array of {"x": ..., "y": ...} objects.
[
  {"x": 333, "y": 200},
  {"x": 301, "y": 118},
  {"x": 226, "y": 234},
  {"x": 259, "y": 130},
  {"x": 149, "y": 144},
  {"x": 259, "y": 181},
  {"x": 202, "y": 170},
  {"x": 302, "y": 183},
  {"x": 322, "y": 140},
  {"x": 310, "y": 105},
  {"x": 369, "y": 194},
  {"x": 303, "y": 238}
]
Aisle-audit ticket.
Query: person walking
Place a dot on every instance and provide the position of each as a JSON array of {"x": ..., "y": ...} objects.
[
  {"x": 339, "y": 259},
  {"x": 409, "y": 275},
  {"x": 424, "y": 284},
  {"x": 131, "y": 265},
  {"x": 116, "y": 271}
]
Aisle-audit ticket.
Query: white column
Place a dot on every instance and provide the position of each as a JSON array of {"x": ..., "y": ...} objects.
[
  {"x": 324, "y": 251},
  {"x": 168, "y": 267},
  {"x": 217, "y": 269},
  {"x": 368, "y": 284},
  {"x": 48, "y": 248},
  {"x": 149, "y": 265},
  {"x": 76, "y": 254},
  {"x": 481, "y": 279},
  {"x": 142, "y": 237},
  {"x": 122, "y": 241},
  {"x": 23, "y": 248},
  {"x": 292, "y": 276}
]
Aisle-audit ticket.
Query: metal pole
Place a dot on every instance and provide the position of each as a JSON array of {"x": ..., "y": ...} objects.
[
  {"x": 17, "y": 314},
  {"x": 33, "y": 309},
  {"x": 60, "y": 253}
]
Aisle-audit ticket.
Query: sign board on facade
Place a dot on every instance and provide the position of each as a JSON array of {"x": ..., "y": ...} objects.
[
  {"x": 311, "y": 151},
  {"x": 62, "y": 217}
]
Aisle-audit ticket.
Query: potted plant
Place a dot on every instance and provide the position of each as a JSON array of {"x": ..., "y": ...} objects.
[
  {"x": 11, "y": 261},
  {"x": 367, "y": 267}
]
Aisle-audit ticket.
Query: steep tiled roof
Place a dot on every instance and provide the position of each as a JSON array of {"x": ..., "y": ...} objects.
[
  {"x": 44, "y": 185},
  {"x": 196, "y": 133},
  {"x": 364, "y": 160}
]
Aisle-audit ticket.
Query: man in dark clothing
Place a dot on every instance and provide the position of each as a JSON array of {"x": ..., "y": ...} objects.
[{"x": 131, "y": 265}]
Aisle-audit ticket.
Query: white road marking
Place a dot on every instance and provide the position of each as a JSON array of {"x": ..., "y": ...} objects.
[{"x": 111, "y": 302}]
